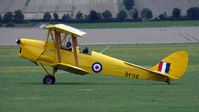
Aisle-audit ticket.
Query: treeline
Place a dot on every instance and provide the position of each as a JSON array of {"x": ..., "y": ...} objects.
[
  {"x": 147, "y": 15},
  {"x": 128, "y": 13},
  {"x": 9, "y": 19}
]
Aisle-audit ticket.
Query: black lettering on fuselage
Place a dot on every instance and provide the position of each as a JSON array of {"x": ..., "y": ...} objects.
[{"x": 131, "y": 75}]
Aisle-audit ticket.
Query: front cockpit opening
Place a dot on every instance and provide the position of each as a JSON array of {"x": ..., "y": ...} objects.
[{"x": 64, "y": 41}]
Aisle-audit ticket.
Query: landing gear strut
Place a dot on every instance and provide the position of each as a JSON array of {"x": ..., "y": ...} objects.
[{"x": 48, "y": 79}]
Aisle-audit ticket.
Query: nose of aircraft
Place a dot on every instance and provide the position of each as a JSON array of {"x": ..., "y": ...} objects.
[{"x": 18, "y": 41}]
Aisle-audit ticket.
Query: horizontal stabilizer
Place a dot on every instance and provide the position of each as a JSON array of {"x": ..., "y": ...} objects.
[
  {"x": 152, "y": 71},
  {"x": 70, "y": 68}
]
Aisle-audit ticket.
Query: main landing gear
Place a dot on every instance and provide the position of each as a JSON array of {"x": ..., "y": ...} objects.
[{"x": 48, "y": 79}]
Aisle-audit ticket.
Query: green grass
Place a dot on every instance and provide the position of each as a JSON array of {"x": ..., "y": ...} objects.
[
  {"x": 21, "y": 88},
  {"x": 136, "y": 24},
  {"x": 125, "y": 24}
]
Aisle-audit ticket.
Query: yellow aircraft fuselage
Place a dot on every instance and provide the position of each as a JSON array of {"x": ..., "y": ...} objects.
[
  {"x": 41, "y": 52},
  {"x": 55, "y": 53}
]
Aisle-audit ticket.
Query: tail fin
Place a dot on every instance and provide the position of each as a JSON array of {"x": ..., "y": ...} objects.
[{"x": 174, "y": 65}]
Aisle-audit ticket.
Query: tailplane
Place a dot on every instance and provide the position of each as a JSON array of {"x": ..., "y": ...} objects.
[{"x": 174, "y": 65}]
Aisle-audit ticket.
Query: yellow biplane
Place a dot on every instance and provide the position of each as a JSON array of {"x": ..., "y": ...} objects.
[{"x": 61, "y": 52}]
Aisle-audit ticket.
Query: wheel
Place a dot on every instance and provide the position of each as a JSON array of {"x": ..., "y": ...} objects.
[{"x": 49, "y": 79}]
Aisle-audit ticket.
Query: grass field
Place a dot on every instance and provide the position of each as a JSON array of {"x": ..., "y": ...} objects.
[
  {"x": 136, "y": 24},
  {"x": 21, "y": 88},
  {"x": 124, "y": 24}
]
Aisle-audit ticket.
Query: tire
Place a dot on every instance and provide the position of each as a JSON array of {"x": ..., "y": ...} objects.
[{"x": 49, "y": 80}]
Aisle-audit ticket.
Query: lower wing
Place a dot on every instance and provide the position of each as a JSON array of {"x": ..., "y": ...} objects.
[{"x": 70, "y": 68}]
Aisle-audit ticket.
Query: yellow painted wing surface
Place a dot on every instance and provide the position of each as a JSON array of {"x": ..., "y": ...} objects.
[
  {"x": 67, "y": 29},
  {"x": 70, "y": 68}
]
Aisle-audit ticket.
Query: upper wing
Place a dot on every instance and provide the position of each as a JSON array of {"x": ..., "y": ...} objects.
[
  {"x": 70, "y": 68},
  {"x": 66, "y": 28}
]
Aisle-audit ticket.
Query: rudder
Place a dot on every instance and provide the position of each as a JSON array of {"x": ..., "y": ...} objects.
[{"x": 174, "y": 65}]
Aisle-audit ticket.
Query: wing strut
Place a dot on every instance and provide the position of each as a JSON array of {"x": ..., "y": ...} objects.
[
  {"x": 74, "y": 39},
  {"x": 57, "y": 45}
]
